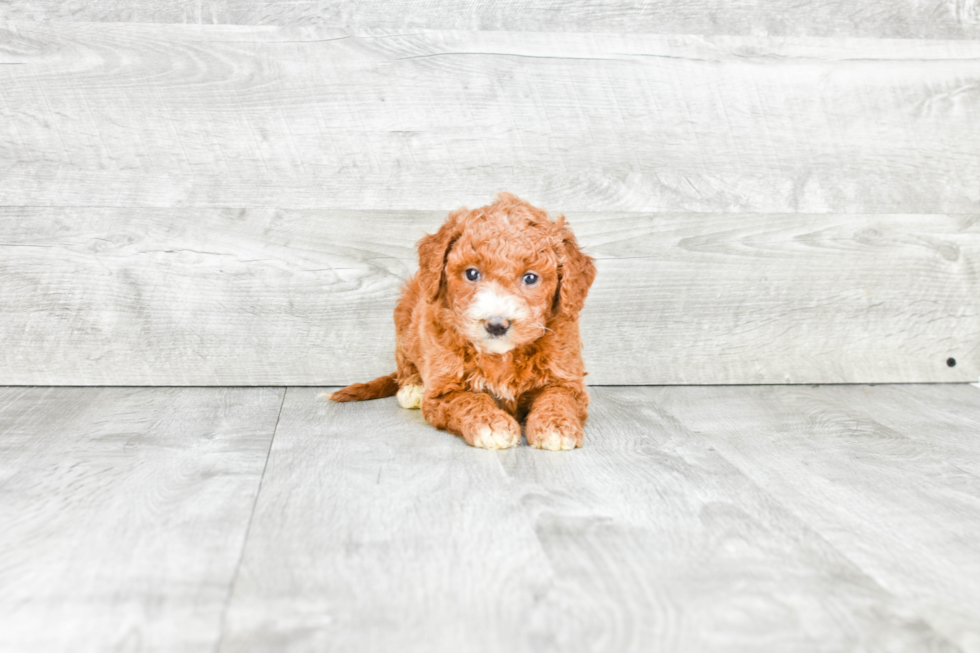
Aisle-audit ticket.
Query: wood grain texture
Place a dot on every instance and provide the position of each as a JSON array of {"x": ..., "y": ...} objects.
[
  {"x": 375, "y": 532},
  {"x": 124, "y": 513},
  {"x": 887, "y": 476},
  {"x": 830, "y": 518},
  {"x": 868, "y": 18},
  {"x": 927, "y": 409},
  {"x": 263, "y": 296},
  {"x": 311, "y": 117}
]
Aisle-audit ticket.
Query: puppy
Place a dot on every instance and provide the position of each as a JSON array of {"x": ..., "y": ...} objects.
[{"x": 487, "y": 330}]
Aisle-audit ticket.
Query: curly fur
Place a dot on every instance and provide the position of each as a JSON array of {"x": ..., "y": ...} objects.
[{"x": 468, "y": 381}]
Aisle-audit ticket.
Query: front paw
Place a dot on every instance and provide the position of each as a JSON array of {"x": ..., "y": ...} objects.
[
  {"x": 502, "y": 432},
  {"x": 410, "y": 395},
  {"x": 558, "y": 435}
]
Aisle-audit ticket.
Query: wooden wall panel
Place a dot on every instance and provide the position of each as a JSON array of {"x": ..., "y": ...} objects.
[
  {"x": 161, "y": 115},
  {"x": 266, "y": 296},
  {"x": 866, "y": 18},
  {"x": 765, "y": 209}
]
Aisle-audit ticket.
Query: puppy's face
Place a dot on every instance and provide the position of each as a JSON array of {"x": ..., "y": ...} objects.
[
  {"x": 504, "y": 270},
  {"x": 501, "y": 277}
]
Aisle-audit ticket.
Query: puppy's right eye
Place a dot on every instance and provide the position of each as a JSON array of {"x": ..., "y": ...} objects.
[{"x": 473, "y": 274}]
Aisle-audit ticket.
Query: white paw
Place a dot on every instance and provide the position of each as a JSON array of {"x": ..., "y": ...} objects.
[
  {"x": 487, "y": 438},
  {"x": 554, "y": 441},
  {"x": 410, "y": 396}
]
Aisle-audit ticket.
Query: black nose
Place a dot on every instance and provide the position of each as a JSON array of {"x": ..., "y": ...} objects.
[{"x": 496, "y": 326}]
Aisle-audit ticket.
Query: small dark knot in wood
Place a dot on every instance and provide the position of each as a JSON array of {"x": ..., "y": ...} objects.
[{"x": 951, "y": 362}]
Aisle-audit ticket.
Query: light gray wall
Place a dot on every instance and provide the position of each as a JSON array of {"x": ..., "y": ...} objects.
[
  {"x": 774, "y": 194},
  {"x": 924, "y": 19}
]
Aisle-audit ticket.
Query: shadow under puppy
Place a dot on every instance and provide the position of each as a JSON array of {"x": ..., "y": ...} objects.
[{"x": 487, "y": 330}]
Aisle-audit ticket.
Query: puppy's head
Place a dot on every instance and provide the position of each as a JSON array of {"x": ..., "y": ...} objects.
[{"x": 505, "y": 271}]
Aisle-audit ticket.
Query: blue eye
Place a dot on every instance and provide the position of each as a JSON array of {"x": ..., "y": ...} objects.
[
  {"x": 472, "y": 274},
  {"x": 530, "y": 278}
]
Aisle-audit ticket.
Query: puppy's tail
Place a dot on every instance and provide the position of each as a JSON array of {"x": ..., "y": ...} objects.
[{"x": 383, "y": 386}]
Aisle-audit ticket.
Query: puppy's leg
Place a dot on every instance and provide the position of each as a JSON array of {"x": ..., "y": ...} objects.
[
  {"x": 411, "y": 391},
  {"x": 556, "y": 419},
  {"x": 475, "y": 416},
  {"x": 410, "y": 387}
]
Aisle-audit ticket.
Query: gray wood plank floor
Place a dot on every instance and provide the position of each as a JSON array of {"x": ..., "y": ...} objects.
[
  {"x": 751, "y": 518},
  {"x": 124, "y": 511}
]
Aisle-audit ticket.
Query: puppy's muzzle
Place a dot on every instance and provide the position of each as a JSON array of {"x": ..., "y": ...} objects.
[{"x": 496, "y": 326}]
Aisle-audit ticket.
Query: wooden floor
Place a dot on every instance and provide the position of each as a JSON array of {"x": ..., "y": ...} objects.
[{"x": 752, "y": 518}]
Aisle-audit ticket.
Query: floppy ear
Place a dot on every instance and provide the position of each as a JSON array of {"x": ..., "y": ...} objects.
[
  {"x": 433, "y": 250},
  {"x": 576, "y": 272}
]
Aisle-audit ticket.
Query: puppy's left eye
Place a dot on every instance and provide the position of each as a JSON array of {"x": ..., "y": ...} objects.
[{"x": 530, "y": 279}]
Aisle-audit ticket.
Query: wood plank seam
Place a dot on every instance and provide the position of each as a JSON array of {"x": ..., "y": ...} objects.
[{"x": 248, "y": 529}]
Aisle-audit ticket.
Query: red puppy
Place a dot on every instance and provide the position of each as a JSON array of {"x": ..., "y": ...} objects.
[{"x": 487, "y": 330}]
